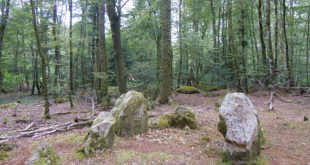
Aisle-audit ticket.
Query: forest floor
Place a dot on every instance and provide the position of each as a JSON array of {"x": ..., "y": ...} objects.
[{"x": 287, "y": 134}]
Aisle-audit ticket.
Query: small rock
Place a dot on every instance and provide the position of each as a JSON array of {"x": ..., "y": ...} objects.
[
  {"x": 306, "y": 118},
  {"x": 44, "y": 154},
  {"x": 186, "y": 130}
]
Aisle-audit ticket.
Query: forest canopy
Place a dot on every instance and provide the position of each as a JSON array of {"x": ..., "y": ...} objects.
[{"x": 58, "y": 47}]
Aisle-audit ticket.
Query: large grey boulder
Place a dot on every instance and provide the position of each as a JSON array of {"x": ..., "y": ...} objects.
[
  {"x": 101, "y": 134},
  {"x": 130, "y": 113},
  {"x": 240, "y": 127},
  {"x": 44, "y": 154}
]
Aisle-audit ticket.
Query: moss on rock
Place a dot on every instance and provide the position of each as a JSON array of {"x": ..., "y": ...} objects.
[
  {"x": 43, "y": 155},
  {"x": 100, "y": 136},
  {"x": 182, "y": 117},
  {"x": 251, "y": 156},
  {"x": 221, "y": 126},
  {"x": 187, "y": 90},
  {"x": 160, "y": 122},
  {"x": 130, "y": 113}
]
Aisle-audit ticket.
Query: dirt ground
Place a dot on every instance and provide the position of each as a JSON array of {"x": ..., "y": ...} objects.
[{"x": 286, "y": 132}]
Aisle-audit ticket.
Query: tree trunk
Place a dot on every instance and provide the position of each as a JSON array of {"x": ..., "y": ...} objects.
[
  {"x": 4, "y": 18},
  {"x": 276, "y": 34},
  {"x": 261, "y": 33},
  {"x": 45, "y": 88},
  {"x": 115, "y": 22},
  {"x": 57, "y": 52},
  {"x": 287, "y": 60},
  {"x": 244, "y": 81},
  {"x": 214, "y": 31},
  {"x": 180, "y": 46},
  {"x": 307, "y": 49},
  {"x": 232, "y": 44},
  {"x": 102, "y": 54},
  {"x": 71, "y": 55},
  {"x": 166, "y": 69},
  {"x": 270, "y": 55}
]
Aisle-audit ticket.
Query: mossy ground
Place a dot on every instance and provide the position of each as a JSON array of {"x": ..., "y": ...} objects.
[{"x": 221, "y": 126}]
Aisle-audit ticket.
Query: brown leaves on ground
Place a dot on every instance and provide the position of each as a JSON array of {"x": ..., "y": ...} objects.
[{"x": 287, "y": 134}]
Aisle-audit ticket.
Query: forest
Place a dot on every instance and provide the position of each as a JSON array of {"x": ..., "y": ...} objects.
[{"x": 168, "y": 81}]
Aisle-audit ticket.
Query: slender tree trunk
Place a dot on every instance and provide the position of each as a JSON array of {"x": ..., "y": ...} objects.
[
  {"x": 214, "y": 31},
  {"x": 84, "y": 23},
  {"x": 307, "y": 49},
  {"x": 115, "y": 22},
  {"x": 5, "y": 16},
  {"x": 93, "y": 52},
  {"x": 166, "y": 69},
  {"x": 102, "y": 53},
  {"x": 57, "y": 52},
  {"x": 270, "y": 55},
  {"x": 71, "y": 55},
  {"x": 244, "y": 69},
  {"x": 276, "y": 35},
  {"x": 45, "y": 88},
  {"x": 287, "y": 60},
  {"x": 180, "y": 45},
  {"x": 232, "y": 44},
  {"x": 261, "y": 33}
]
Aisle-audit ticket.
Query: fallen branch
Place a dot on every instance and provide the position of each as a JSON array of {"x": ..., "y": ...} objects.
[
  {"x": 76, "y": 124},
  {"x": 29, "y": 126},
  {"x": 282, "y": 99}
]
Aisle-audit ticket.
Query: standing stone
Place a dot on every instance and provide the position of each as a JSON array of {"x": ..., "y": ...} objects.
[
  {"x": 130, "y": 113},
  {"x": 101, "y": 134},
  {"x": 240, "y": 127},
  {"x": 44, "y": 154}
]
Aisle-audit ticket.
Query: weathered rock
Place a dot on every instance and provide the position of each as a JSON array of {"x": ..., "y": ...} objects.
[
  {"x": 44, "y": 154},
  {"x": 183, "y": 116},
  {"x": 160, "y": 122},
  {"x": 240, "y": 127},
  {"x": 101, "y": 134},
  {"x": 130, "y": 113},
  {"x": 187, "y": 90}
]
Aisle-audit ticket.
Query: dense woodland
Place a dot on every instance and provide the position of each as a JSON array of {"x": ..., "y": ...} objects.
[{"x": 55, "y": 48}]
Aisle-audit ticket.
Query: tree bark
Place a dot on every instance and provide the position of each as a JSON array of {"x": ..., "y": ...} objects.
[
  {"x": 276, "y": 35},
  {"x": 71, "y": 55},
  {"x": 270, "y": 53},
  {"x": 5, "y": 16},
  {"x": 180, "y": 46},
  {"x": 261, "y": 33},
  {"x": 115, "y": 22},
  {"x": 307, "y": 49},
  {"x": 45, "y": 88},
  {"x": 102, "y": 54},
  {"x": 166, "y": 69},
  {"x": 57, "y": 51},
  {"x": 287, "y": 60}
]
